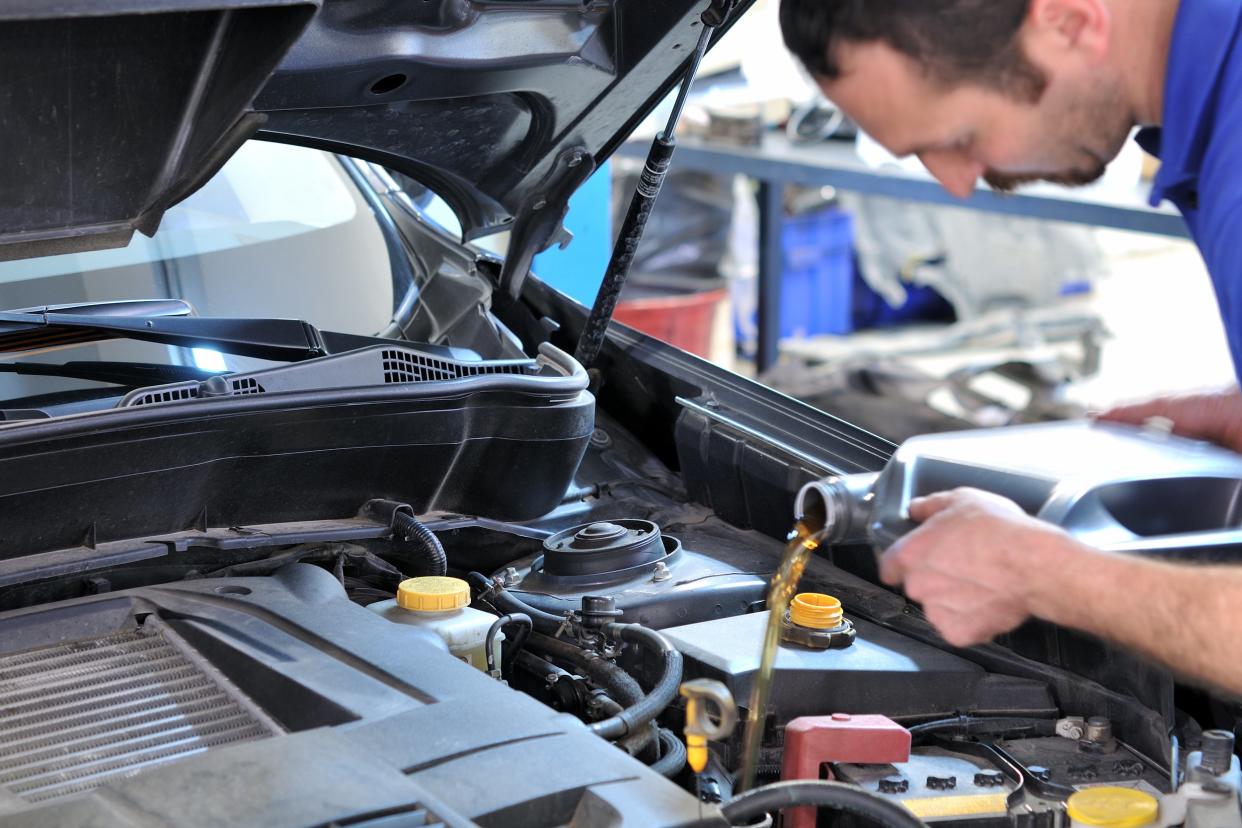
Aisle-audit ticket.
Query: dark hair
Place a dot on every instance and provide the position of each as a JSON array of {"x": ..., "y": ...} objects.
[{"x": 954, "y": 40}]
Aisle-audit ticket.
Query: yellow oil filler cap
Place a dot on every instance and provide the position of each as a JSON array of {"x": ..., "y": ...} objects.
[
  {"x": 1112, "y": 807},
  {"x": 816, "y": 611},
  {"x": 433, "y": 594}
]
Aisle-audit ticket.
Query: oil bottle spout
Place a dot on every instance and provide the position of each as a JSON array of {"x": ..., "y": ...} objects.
[{"x": 840, "y": 507}]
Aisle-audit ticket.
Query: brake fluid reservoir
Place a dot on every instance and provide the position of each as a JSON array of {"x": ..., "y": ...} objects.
[
  {"x": 1112, "y": 807},
  {"x": 440, "y": 605}
]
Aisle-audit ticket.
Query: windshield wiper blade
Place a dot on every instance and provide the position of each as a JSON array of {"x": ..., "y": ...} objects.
[
  {"x": 287, "y": 340},
  {"x": 167, "y": 321},
  {"x": 127, "y": 374}
]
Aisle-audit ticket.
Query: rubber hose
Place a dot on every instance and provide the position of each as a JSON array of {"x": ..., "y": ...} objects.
[
  {"x": 618, "y": 684},
  {"x": 659, "y": 697},
  {"x": 672, "y": 754},
  {"x": 818, "y": 794},
  {"x": 510, "y": 604},
  {"x": 431, "y": 551},
  {"x": 500, "y": 623},
  {"x": 601, "y": 672},
  {"x": 635, "y": 743}
]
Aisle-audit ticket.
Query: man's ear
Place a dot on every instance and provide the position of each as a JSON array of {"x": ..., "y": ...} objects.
[{"x": 1057, "y": 29}]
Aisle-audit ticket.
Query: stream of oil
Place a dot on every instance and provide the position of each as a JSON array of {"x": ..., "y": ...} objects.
[{"x": 802, "y": 542}]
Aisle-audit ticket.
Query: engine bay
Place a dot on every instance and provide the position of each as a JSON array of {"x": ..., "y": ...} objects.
[{"x": 238, "y": 665}]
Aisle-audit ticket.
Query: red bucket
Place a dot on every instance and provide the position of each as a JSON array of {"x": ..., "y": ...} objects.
[{"x": 684, "y": 319}]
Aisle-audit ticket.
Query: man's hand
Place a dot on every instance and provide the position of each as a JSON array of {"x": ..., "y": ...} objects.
[
  {"x": 1215, "y": 416},
  {"x": 974, "y": 563}
]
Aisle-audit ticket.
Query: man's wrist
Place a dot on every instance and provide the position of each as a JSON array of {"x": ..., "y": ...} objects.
[{"x": 1056, "y": 578}]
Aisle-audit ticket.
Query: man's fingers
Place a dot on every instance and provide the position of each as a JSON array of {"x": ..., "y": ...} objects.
[
  {"x": 892, "y": 567},
  {"x": 923, "y": 508},
  {"x": 1135, "y": 414}
]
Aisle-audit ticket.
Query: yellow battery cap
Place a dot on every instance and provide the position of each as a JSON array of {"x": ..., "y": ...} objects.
[
  {"x": 1112, "y": 807},
  {"x": 433, "y": 594},
  {"x": 816, "y": 611}
]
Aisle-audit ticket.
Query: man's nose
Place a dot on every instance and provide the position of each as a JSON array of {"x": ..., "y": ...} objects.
[{"x": 956, "y": 174}]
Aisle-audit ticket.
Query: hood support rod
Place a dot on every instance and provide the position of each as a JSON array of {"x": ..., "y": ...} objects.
[{"x": 591, "y": 342}]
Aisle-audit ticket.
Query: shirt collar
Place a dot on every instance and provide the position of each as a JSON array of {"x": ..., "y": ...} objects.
[{"x": 1203, "y": 37}]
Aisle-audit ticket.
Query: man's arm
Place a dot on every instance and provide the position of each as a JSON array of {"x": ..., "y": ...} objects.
[{"x": 981, "y": 566}]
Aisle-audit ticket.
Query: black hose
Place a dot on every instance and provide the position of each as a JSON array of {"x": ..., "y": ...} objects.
[
  {"x": 618, "y": 684},
  {"x": 818, "y": 794},
  {"x": 659, "y": 697},
  {"x": 524, "y": 628},
  {"x": 601, "y": 672},
  {"x": 672, "y": 754},
  {"x": 431, "y": 551},
  {"x": 508, "y": 603}
]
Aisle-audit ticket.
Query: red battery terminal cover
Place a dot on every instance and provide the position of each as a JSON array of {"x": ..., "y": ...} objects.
[{"x": 812, "y": 741}]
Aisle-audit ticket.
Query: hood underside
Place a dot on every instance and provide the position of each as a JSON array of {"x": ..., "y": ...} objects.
[{"x": 503, "y": 108}]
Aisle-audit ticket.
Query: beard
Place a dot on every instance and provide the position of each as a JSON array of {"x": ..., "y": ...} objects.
[
  {"x": 1095, "y": 122},
  {"x": 1007, "y": 183}
]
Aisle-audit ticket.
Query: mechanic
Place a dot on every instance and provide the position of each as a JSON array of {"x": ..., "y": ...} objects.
[{"x": 1013, "y": 91}]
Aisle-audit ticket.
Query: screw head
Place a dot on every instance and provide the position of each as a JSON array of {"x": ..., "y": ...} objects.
[{"x": 661, "y": 572}]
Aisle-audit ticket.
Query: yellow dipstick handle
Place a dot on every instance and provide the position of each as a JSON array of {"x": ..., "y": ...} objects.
[
  {"x": 701, "y": 724},
  {"x": 696, "y": 743}
]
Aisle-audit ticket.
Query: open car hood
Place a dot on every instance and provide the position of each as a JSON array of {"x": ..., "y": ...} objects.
[{"x": 502, "y": 107}]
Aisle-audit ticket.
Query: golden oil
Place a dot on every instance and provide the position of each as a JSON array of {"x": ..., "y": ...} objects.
[{"x": 802, "y": 542}]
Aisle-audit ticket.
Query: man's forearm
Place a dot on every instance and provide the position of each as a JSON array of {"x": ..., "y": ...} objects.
[{"x": 1185, "y": 616}]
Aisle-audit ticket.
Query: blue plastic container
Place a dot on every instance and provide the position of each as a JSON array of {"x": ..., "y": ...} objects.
[{"x": 817, "y": 274}]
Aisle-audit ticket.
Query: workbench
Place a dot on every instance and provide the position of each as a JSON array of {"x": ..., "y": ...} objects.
[{"x": 778, "y": 162}]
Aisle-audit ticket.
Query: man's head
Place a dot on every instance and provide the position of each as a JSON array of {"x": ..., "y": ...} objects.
[{"x": 1008, "y": 90}]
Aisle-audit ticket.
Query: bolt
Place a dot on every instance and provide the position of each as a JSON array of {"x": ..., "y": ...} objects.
[
  {"x": 552, "y": 678},
  {"x": 600, "y": 439},
  {"x": 1072, "y": 727},
  {"x": 575, "y": 159},
  {"x": 1099, "y": 730},
  {"x": 510, "y": 577},
  {"x": 661, "y": 572},
  {"x": 942, "y": 783},
  {"x": 894, "y": 785},
  {"x": 1217, "y": 751}
]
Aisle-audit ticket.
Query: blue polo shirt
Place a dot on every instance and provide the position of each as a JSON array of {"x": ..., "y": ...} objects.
[{"x": 1200, "y": 145}]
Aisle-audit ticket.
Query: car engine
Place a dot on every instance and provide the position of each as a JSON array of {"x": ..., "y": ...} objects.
[{"x": 209, "y": 648}]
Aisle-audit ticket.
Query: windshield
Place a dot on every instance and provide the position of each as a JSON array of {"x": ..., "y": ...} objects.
[{"x": 280, "y": 231}]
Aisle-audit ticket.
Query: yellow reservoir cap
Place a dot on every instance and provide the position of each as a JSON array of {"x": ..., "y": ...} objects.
[
  {"x": 816, "y": 611},
  {"x": 1113, "y": 807},
  {"x": 433, "y": 593}
]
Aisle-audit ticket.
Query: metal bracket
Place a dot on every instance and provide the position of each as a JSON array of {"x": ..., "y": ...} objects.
[
  {"x": 717, "y": 13},
  {"x": 539, "y": 223}
]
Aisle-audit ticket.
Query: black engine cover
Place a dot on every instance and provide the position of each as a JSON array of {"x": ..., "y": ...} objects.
[{"x": 276, "y": 701}]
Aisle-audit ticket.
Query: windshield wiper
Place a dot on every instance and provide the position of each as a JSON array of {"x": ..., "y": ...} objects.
[
  {"x": 166, "y": 321},
  {"x": 127, "y": 374}
]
